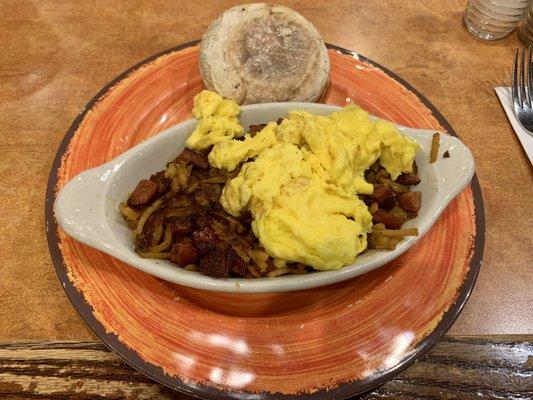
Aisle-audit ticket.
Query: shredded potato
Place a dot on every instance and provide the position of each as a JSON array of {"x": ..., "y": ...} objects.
[
  {"x": 299, "y": 269},
  {"x": 378, "y": 241},
  {"x": 146, "y": 214},
  {"x": 131, "y": 216},
  {"x": 252, "y": 270},
  {"x": 435, "y": 142},
  {"x": 171, "y": 170},
  {"x": 164, "y": 244},
  {"x": 183, "y": 174},
  {"x": 179, "y": 213},
  {"x": 260, "y": 258},
  {"x": 280, "y": 271},
  {"x": 241, "y": 253},
  {"x": 398, "y": 233},
  {"x": 175, "y": 184},
  {"x": 147, "y": 254},
  {"x": 395, "y": 186},
  {"x": 216, "y": 179},
  {"x": 156, "y": 234},
  {"x": 179, "y": 174}
]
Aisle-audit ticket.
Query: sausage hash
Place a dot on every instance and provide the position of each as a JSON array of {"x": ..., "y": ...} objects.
[{"x": 176, "y": 215}]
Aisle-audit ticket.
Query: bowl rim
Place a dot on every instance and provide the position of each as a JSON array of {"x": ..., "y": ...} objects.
[{"x": 111, "y": 340}]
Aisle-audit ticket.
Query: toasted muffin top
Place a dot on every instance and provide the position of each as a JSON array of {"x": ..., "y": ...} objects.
[{"x": 257, "y": 53}]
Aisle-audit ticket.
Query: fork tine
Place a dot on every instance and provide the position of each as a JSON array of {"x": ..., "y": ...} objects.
[
  {"x": 515, "y": 91},
  {"x": 530, "y": 78},
  {"x": 522, "y": 78},
  {"x": 525, "y": 78}
]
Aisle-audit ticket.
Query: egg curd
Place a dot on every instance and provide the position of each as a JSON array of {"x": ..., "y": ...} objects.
[{"x": 300, "y": 179}]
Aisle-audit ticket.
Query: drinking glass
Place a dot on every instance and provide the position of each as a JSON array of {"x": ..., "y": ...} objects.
[
  {"x": 525, "y": 30},
  {"x": 493, "y": 19}
]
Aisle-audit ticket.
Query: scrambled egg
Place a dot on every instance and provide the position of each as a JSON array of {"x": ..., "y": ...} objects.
[
  {"x": 230, "y": 153},
  {"x": 217, "y": 120},
  {"x": 300, "y": 179}
]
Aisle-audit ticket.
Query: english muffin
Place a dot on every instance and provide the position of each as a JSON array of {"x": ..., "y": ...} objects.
[{"x": 258, "y": 53}]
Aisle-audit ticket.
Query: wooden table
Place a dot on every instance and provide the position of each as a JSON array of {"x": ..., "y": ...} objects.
[{"x": 55, "y": 56}]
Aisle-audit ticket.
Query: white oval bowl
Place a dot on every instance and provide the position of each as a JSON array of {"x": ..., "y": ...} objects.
[{"x": 86, "y": 208}]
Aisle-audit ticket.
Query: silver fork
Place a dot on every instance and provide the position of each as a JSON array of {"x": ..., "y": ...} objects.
[{"x": 522, "y": 90}]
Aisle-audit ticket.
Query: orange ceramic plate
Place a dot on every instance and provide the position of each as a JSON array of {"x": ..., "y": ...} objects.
[{"x": 324, "y": 343}]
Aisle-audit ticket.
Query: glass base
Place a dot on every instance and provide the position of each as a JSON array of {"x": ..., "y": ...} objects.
[{"x": 480, "y": 33}]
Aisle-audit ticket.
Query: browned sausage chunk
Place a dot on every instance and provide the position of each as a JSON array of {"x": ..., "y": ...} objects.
[
  {"x": 220, "y": 261},
  {"x": 408, "y": 179},
  {"x": 236, "y": 264},
  {"x": 384, "y": 196},
  {"x": 255, "y": 129},
  {"x": 145, "y": 240},
  {"x": 189, "y": 156},
  {"x": 205, "y": 238},
  {"x": 180, "y": 200},
  {"x": 144, "y": 192},
  {"x": 181, "y": 225},
  {"x": 184, "y": 252},
  {"x": 410, "y": 201},
  {"x": 162, "y": 183},
  {"x": 390, "y": 220},
  {"x": 208, "y": 194},
  {"x": 213, "y": 263}
]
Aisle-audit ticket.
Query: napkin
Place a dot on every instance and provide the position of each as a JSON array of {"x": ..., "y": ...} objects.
[{"x": 504, "y": 94}]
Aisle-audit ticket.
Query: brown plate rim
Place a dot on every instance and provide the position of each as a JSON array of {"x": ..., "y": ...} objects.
[{"x": 342, "y": 391}]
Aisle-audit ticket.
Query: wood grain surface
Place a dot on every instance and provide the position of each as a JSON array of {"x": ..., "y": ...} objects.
[{"x": 481, "y": 367}]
